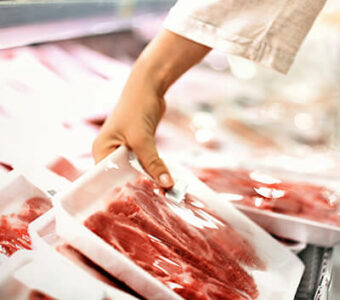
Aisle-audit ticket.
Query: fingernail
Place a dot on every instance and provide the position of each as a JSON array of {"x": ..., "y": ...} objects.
[{"x": 165, "y": 180}]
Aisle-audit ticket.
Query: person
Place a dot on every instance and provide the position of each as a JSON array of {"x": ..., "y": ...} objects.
[{"x": 268, "y": 32}]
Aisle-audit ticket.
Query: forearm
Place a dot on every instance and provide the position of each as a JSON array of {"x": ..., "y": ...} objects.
[
  {"x": 134, "y": 120},
  {"x": 165, "y": 59}
]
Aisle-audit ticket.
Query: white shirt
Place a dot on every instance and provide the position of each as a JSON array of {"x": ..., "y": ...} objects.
[{"x": 269, "y": 32}]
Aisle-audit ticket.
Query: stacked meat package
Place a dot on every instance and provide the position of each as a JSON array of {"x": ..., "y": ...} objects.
[{"x": 34, "y": 262}]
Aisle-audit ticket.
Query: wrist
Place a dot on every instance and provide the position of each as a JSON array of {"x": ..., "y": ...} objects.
[
  {"x": 155, "y": 72},
  {"x": 165, "y": 59}
]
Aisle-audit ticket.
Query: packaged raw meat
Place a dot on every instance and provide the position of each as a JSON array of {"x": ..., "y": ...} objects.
[
  {"x": 63, "y": 167},
  {"x": 20, "y": 204},
  {"x": 69, "y": 268},
  {"x": 199, "y": 248},
  {"x": 13, "y": 227},
  {"x": 186, "y": 255},
  {"x": 90, "y": 91},
  {"x": 260, "y": 190},
  {"x": 313, "y": 208},
  {"x": 100, "y": 64}
]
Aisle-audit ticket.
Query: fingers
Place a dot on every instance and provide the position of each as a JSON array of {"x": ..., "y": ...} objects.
[
  {"x": 146, "y": 151},
  {"x": 147, "y": 154}
]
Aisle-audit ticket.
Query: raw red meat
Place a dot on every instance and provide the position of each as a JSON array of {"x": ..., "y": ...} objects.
[
  {"x": 33, "y": 208},
  {"x": 13, "y": 227},
  {"x": 185, "y": 246},
  {"x": 253, "y": 189},
  {"x": 13, "y": 235},
  {"x": 64, "y": 168}
]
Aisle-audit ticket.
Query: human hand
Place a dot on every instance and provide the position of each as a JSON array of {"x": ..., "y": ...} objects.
[
  {"x": 133, "y": 123},
  {"x": 134, "y": 120}
]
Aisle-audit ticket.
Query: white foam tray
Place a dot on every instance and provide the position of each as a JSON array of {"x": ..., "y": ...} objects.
[
  {"x": 15, "y": 189},
  {"x": 294, "y": 228},
  {"x": 89, "y": 194},
  {"x": 291, "y": 227},
  {"x": 286, "y": 226}
]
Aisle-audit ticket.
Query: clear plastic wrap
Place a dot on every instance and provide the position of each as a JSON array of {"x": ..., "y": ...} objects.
[
  {"x": 260, "y": 268},
  {"x": 289, "y": 205},
  {"x": 21, "y": 202}
]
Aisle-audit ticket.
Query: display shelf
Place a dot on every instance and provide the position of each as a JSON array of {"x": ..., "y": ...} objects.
[{"x": 26, "y": 22}]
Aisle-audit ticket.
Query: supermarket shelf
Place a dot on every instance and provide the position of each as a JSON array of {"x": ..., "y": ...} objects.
[{"x": 27, "y": 22}]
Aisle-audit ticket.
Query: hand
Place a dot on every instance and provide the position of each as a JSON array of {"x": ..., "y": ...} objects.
[
  {"x": 133, "y": 123},
  {"x": 134, "y": 120}
]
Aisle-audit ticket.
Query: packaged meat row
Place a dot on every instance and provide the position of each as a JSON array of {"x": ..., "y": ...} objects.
[
  {"x": 45, "y": 105},
  {"x": 168, "y": 250},
  {"x": 296, "y": 208},
  {"x": 164, "y": 223},
  {"x": 265, "y": 192}
]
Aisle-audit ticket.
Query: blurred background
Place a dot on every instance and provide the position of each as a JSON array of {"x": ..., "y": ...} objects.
[
  {"x": 63, "y": 65},
  {"x": 71, "y": 58}
]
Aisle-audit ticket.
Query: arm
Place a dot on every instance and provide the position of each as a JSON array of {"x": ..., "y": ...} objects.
[{"x": 134, "y": 120}]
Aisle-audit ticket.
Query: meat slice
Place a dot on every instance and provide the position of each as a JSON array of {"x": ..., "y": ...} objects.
[
  {"x": 13, "y": 235},
  {"x": 13, "y": 227},
  {"x": 33, "y": 208},
  {"x": 302, "y": 200},
  {"x": 185, "y": 246}
]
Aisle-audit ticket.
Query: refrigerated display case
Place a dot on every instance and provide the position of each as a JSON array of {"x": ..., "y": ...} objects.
[
  {"x": 26, "y": 22},
  {"x": 101, "y": 26}
]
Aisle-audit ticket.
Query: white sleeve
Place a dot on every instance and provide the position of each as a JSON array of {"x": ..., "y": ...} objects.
[{"x": 269, "y": 32}]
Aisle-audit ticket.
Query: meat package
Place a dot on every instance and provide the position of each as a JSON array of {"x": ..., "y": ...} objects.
[
  {"x": 289, "y": 206},
  {"x": 49, "y": 92},
  {"x": 69, "y": 268},
  {"x": 64, "y": 168},
  {"x": 20, "y": 203},
  {"x": 198, "y": 248}
]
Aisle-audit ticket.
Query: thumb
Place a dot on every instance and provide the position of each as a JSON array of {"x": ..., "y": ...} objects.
[{"x": 147, "y": 154}]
